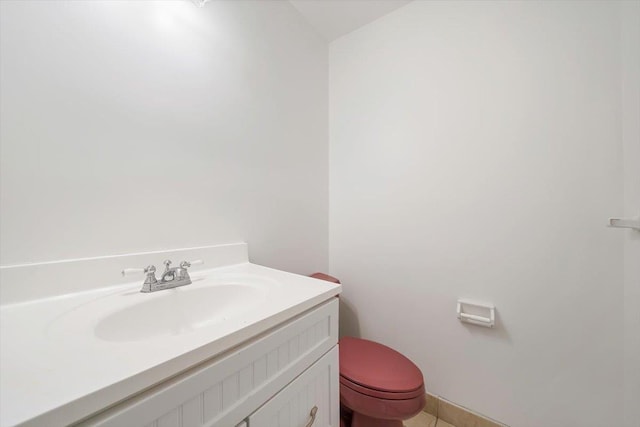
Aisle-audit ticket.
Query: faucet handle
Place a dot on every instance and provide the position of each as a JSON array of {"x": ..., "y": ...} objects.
[
  {"x": 149, "y": 282},
  {"x": 146, "y": 270},
  {"x": 186, "y": 264}
]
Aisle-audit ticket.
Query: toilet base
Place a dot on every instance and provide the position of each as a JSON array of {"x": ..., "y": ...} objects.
[
  {"x": 368, "y": 411},
  {"x": 360, "y": 420},
  {"x": 346, "y": 415}
]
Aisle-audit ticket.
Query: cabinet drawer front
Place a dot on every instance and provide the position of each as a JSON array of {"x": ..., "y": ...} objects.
[
  {"x": 313, "y": 398},
  {"x": 224, "y": 391}
]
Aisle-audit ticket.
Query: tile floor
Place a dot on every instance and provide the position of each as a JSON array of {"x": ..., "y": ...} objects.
[{"x": 426, "y": 420}]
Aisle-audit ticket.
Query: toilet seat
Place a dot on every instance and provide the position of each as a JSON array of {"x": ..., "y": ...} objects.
[
  {"x": 378, "y": 371},
  {"x": 391, "y": 410},
  {"x": 381, "y": 394}
]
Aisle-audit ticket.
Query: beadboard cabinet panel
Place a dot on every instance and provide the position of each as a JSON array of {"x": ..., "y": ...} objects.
[{"x": 311, "y": 399}]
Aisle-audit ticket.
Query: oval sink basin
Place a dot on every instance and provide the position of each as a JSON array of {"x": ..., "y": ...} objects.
[{"x": 178, "y": 311}]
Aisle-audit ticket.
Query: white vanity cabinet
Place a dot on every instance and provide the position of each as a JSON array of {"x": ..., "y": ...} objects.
[
  {"x": 308, "y": 401},
  {"x": 273, "y": 380}
]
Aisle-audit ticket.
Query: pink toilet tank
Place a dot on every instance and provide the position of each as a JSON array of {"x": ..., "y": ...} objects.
[{"x": 326, "y": 277}]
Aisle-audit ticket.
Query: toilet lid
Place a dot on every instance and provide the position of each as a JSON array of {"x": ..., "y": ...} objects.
[{"x": 376, "y": 366}]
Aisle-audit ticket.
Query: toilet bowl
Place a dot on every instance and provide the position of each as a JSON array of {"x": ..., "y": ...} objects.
[{"x": 379, "y": 387}]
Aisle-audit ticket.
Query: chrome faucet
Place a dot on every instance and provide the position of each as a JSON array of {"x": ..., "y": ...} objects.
[{"x": 171, "y": 277}]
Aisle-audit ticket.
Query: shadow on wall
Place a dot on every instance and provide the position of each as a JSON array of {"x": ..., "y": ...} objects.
[{"x": 349, "y": 324}]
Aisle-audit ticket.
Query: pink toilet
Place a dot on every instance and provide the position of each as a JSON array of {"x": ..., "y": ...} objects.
[{"x": 379, "y": 387}]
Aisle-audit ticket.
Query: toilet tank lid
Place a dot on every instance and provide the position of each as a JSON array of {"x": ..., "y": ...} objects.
[{"x": 377, "y": 366}]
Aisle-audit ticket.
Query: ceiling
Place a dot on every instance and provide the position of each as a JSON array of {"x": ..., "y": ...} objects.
[{"x": 335, "y": 18}]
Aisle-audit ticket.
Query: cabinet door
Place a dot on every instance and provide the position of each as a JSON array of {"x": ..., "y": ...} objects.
[{"x": 293, "y": 406}]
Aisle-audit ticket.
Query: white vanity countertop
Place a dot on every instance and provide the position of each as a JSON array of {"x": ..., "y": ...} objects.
[{"x": 55, "y": 368}]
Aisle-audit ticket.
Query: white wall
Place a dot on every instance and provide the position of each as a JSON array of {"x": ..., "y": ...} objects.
[
  {"x": 475, "y": 151},
  {"x": 131, "y": 126},
  {"x": 630, "y": 20}
]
